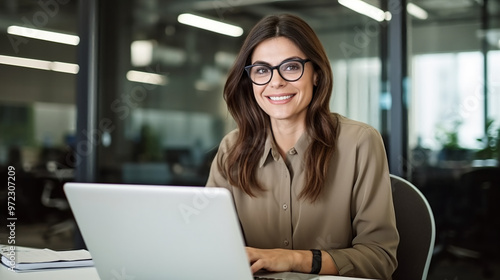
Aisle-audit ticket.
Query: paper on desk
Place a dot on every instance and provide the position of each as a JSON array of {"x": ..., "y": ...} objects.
[
  {"x": 32, "y": 259},
  {"x": 25, "y": 255}
]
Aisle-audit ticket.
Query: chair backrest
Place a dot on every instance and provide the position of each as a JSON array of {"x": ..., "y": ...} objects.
[{"x": 417, "y": 231}]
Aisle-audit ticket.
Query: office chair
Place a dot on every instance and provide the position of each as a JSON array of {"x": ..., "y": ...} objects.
[
  {"x": 417, "y": 231},
  {"x": 53, "y": 197}
]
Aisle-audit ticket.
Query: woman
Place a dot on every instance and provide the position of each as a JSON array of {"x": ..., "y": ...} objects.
[{"x": 311, "y": 188}]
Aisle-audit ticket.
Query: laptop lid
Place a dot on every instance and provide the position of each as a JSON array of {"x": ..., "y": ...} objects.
[{"x": 159, "y": 232}]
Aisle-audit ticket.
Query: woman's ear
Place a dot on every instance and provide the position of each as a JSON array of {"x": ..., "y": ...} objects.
[{"x": 315, "y": 79}]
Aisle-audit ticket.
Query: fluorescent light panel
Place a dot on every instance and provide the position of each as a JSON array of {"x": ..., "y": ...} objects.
[
  {"x": 366, "y": 9},
  {"x": 40, "y": 64},
  {"x": 211, "y": 25},
  {"x": 146, "y": 78},
  {"x": 141, "y": 52},
  {"x": 416, "y": 11},
  {"x": 43, "y": 35}
]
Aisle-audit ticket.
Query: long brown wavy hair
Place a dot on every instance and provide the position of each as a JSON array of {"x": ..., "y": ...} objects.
[{"x": 241, "y": 163}]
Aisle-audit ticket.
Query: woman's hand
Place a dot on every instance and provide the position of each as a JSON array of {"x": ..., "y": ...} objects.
[{"x": 279, "y": 260}]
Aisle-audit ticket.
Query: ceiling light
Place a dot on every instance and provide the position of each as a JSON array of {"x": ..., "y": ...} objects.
[
  {"x": 64, "y": 67},
  {"x": 40, "y": 64},
  {"x": 141, "y": 52},
  {"x": 146, "y": 78},
  {"x": 44, "y": 35},
  {"x": 416, "y": 11},
  {"x": 366, "y": 9},
  {"x": 388, "y": 16},
  {"x": 211, "y": 25}
]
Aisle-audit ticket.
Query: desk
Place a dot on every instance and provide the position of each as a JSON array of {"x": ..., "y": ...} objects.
[{"x": 85, "y": 273}]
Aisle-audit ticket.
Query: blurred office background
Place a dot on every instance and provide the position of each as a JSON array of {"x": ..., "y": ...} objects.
[{"x": 135, "y": 96}]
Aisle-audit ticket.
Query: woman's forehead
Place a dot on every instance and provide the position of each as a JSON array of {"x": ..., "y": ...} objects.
[{"x": 274, "y": 50}]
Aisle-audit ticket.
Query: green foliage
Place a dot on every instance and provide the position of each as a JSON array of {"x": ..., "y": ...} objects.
[
  {"x": 448, "y": 136},
  {"x": 491, "y": 142}
]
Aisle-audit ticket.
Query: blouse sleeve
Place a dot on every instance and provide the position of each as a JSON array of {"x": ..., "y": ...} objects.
[{"x": 375, "y": 237}]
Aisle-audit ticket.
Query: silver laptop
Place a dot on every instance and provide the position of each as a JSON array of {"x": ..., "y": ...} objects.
[{"x": 162, "y": 232}]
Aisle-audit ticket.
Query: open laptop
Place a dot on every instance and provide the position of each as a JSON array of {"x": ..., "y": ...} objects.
[{"x": 162, "y": 232}]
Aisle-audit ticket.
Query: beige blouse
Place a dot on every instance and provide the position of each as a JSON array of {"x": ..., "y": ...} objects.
[{"x": 354, "y": 218}]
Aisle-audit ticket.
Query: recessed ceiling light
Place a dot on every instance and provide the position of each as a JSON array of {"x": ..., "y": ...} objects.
[
  {"x": 210, "y": 24},
  {"x": 366, "y": 9},
  {"x": 416, "y": 11},
  {"x": 146, "y": 78},
  {"x": 50, "y": 36},
  {"x": 40, "y": 64}
]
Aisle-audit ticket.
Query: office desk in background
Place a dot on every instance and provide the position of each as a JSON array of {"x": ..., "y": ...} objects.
[{"x": 85, "y": 273}]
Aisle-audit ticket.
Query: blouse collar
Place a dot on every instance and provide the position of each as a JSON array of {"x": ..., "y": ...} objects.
[{"x": 271, "y": 149}]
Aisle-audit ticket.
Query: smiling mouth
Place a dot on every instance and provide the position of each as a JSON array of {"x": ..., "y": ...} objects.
[{"x": 279, "y": 98}]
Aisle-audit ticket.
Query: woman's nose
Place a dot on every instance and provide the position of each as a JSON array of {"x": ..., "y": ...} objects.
[{"x": 276, "y": 79}]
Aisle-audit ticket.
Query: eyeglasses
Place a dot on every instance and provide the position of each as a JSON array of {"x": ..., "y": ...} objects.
[{"x": 290, "y": 70}]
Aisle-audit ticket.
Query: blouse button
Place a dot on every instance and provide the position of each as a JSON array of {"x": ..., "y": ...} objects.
[
  {"x": 285, "y": 206},
  {"x": 292, "y": 151}
]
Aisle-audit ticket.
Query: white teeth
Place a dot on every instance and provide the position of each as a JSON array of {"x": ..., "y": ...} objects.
[{"x": 277, "y": 98}]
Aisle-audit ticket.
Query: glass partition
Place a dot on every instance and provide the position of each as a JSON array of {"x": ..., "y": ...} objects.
[
  {"x": 37, "y": 118},
  {"x": 454, "y": 104},
  {"x": 454, "y": 122}
]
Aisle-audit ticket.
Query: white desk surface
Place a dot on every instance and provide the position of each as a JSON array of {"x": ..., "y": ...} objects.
[{"x": 85, "y": 273}]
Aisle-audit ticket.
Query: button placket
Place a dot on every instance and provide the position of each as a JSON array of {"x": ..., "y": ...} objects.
[{"x": 285, "y": 215}]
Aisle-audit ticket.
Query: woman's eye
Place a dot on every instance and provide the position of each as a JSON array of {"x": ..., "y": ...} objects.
[
  {"x": 292, "y": 67},
  {"x": 261, "y": 70}
]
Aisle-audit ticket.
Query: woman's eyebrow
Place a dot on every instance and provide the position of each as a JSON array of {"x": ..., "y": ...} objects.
[{"x": 260, "y": 62}]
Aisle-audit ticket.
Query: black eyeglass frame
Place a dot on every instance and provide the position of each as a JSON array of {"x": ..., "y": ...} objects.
[{"x": 277, "y": 67}]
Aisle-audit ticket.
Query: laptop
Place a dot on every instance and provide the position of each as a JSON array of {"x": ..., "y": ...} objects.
[{"x": 162, "y": 232}]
